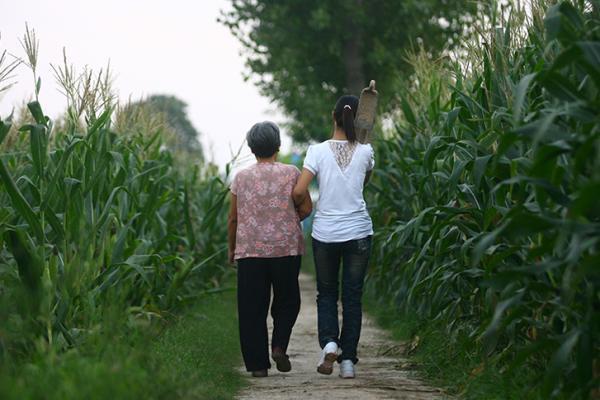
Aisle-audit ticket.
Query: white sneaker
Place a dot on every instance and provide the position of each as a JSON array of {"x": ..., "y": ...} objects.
[
  {"x": 329, "y": 355},
  {"x": 347, "y": 369}
]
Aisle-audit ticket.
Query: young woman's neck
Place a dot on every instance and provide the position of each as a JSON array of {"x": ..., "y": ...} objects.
[
  {"x": 271, "y": 159},
  {"x": 339, "y": 134}
]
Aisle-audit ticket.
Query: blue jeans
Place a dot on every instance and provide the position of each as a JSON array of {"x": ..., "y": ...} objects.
[{"x": 354, "y": 255}]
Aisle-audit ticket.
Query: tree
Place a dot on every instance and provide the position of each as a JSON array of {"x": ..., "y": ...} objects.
[
  {"x": 174, "y": 111},
  {"x": 306, "y": 53}
]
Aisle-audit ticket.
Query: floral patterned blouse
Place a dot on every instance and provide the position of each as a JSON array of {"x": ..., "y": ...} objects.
[{"x": 268, "y": 224}]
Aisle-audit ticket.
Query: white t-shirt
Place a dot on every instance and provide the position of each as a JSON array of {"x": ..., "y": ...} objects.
[{"x": 340, "y": 168}]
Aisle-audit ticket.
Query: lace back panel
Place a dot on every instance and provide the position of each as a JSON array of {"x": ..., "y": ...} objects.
[{"x": 343, "y": 152}]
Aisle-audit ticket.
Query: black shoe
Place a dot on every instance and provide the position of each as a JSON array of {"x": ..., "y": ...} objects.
[{"x": 282, "y": 361}]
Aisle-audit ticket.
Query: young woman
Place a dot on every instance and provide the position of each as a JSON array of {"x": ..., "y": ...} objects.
[
  {"x": 266, "y": 239},
  {"x": 342, "y": 231}
]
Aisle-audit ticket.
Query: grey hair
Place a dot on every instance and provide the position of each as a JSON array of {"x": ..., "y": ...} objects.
[{"x": 263, "y": 139}]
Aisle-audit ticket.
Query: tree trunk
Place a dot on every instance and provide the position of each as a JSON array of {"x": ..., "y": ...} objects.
[{"x": 353, "y": 60}]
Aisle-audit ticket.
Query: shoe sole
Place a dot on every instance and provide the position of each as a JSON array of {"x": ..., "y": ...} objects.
[
  {"x": 346, "y": 377},
  {"x": 327, "y": 367},
  {"x": 282, "y": 362}
]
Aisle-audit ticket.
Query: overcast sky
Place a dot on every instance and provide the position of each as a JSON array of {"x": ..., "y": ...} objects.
[{"x": 155, "y": 47}]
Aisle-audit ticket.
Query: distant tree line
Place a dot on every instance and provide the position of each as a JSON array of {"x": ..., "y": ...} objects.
[
  {"x": 305, "y": 53},
  {"x": 174, "y": 113}
]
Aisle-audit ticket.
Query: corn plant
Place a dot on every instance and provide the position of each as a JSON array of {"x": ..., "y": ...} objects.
[
  {"x": 93, "y": 220},
  {"x": 487, "y": 209}
]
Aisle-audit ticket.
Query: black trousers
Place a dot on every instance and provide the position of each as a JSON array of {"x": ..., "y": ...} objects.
[{"x": 256, "y": 277}]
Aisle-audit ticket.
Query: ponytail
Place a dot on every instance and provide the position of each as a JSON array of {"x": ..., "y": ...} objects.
[
  {"x": 348, "y": 124},
  {"x": 344, "y": 114}
]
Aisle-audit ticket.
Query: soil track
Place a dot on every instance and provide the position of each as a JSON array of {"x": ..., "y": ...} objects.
[{"x": 382, "y": 372}]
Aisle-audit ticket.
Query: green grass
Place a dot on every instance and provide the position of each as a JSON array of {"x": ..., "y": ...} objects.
[
  {"x": 194, "y": 356},
  {"x": 202, "y": 350},
  {"x": 455, "y": 363}
]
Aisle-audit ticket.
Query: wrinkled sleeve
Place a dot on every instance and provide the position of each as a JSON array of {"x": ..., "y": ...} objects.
[
  {"x": 371, "y": 162},
  {"x": 310, "y": 161}
]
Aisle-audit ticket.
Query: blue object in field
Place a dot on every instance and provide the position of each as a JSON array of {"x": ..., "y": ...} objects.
[{"x": 296, "y": 159}]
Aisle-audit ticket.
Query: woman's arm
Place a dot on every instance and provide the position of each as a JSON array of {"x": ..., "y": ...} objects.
[
  {"x": 300, "y": 191},
  {"x": 305, "y": 208},
  {"x": 232, "y": 227}
]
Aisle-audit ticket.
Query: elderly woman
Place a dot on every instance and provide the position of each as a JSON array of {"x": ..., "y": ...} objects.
[{"x": 265, "y": 238}]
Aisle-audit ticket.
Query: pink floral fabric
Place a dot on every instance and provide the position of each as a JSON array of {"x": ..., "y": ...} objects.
[{"x": 268, "y": 225}]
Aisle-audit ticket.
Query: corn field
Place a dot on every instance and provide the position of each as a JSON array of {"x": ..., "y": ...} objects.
[
  {"x": 486, "y": 196},
  {"x": 484, "y": 201},
  {"x": 98, "y": 219}
]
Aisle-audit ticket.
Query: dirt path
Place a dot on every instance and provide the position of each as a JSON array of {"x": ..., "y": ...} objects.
[{"x": 381, "y": 372}]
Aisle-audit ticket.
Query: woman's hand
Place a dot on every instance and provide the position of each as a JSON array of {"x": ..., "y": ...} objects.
[
  {"x": 231, "y": 256},
  {"x": 305, "y": 208}
]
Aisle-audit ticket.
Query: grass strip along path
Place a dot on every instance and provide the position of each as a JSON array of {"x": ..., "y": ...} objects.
[
  {"x": 192, "y": 356},
  {"x": 448, "y": 361},
  {"x": 201, "y": 350}
]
